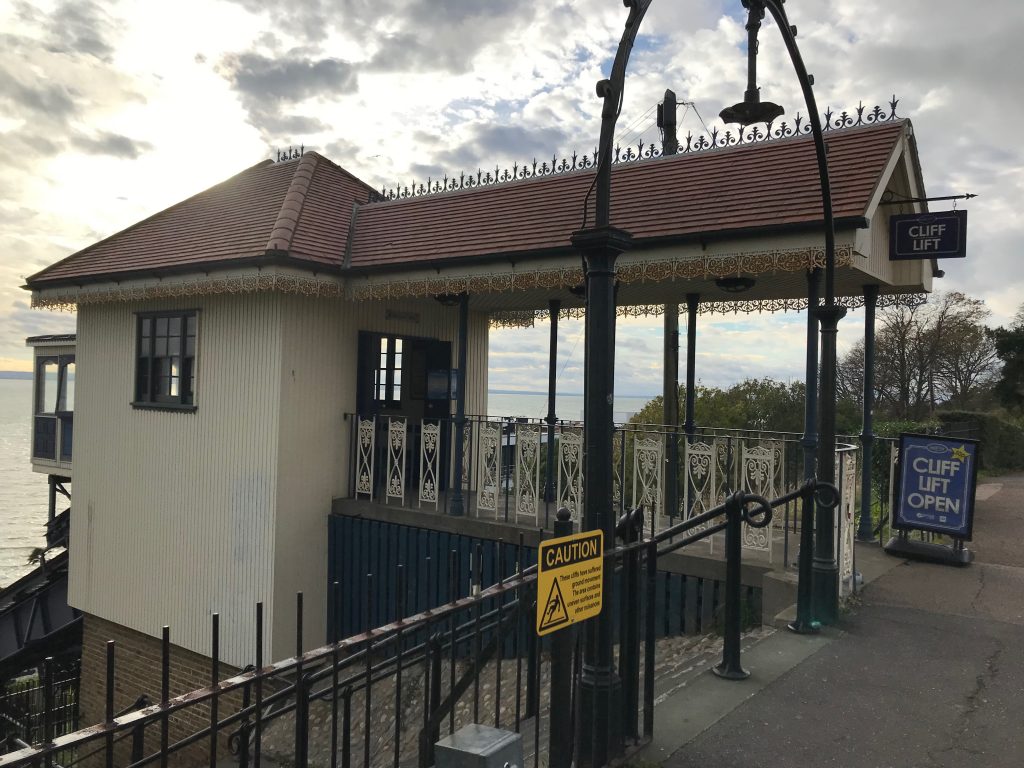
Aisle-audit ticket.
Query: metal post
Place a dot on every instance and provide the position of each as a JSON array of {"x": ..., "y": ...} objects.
[
  {"x": 600, "y": 688},
  {"x": 562, "y": 642},
  {"x": 690, "y": 425},
  {"x": 670, "y": 397},
  {"x": 865, "y": 530},
  {"x": 549, "y": 491},
  {"x": 457, "y": 506},
  {"x": 804, "y": 623},
  {"x": 730, "y": 668}
]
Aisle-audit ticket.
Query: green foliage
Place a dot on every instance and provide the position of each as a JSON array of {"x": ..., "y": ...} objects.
[
  {"x": 1002, "y": 442},
  {"x": 1009, "y": 344},
  {"x": 753, "y": 404}
]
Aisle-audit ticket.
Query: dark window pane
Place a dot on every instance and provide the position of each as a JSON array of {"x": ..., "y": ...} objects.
[
  {"x": 160, "y": 348},
  {"x": 190, "y": 346},
  {"x": 174, "y": 326},
  {"x": 174, "y": 345},
  {"x": 161, "y": 326},
  {"x": 191, "y": 325},
  {"x": 146, "y": 327}
]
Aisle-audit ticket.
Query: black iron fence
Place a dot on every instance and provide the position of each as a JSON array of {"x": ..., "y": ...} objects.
[{"x": 384, "y": 696}]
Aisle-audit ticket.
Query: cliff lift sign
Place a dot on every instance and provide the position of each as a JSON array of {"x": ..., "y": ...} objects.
[
  {"x": 938, "y": 476},
  {"x": 928, "y": 236},
  {"x": 570, "y": 580}
]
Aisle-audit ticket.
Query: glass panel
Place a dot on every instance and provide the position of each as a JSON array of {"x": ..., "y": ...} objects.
[
  {"x": 146, "y": 327},
  {"x": 174, "y": 326},
  {"x": 142, "y": 388},
  {"x": 161, "y": 326},
  {"x": 46, "y": 386},
  {"x": 398, "y": 380},
  {"x": 383, "y": 346},
  {"x": 382, "y": 393},
  {"x": 160, "y": 349},
  {"x": 398, "y": 346},
  {"x": 163, "y": 385},
  {"x": 68, "y": 390},
  {"x": 190, "y": 346},
  {"x": 174, "y": 345},
  {"x": 191, "y": 325},
  {"x": 174, "y": 386}
]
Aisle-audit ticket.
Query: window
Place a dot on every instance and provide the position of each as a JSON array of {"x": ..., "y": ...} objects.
[
  {"x": 165, "y": 368},
  {"x": 387, "y": 384}
]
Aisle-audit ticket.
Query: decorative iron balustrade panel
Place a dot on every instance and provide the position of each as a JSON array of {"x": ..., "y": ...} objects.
[
  {"x": 846, "y": 472},
  {"x": 397, "y": 438},
  {"x": 618, "y": 468},
  {"x": 366, "y": 437},
  {"x": 489, "y": 461},
  {"x": 701, "y": 487},
  {"x": 430, "y": 463},
  {"x": 467, "y": 454},
  {"x": 570, "y": 472},
  {"x": 710, "y": 140},
  {"x": 758, "y": 466},
  {"x": 648, "y": 474},
  {"x": 527, "y": 485}
]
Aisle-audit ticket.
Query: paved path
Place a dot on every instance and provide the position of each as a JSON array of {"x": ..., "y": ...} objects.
[{"x": 926, "y": 672}]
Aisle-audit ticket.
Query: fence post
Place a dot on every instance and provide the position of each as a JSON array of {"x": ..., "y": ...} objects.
[
  {"x": 730, "y": 668},
  {"x": 629, "y": 529},
  {"x": 560, "y": 741},
  {"x": 651, "y": 592},
  {"x": 804, "y": 623}
]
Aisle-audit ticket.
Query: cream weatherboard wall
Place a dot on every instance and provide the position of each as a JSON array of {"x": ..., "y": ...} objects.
[
  {"x": 177, "y": 515},
  {"x": 173, "y": 514}
]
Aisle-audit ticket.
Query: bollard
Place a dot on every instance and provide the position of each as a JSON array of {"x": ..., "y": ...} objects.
[
  {"x": 560, "y": 741},
  {"x": 730, "y": 668}
]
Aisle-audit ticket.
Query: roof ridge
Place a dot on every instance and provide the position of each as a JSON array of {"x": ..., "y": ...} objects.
[{"x": 291, "y": 208}]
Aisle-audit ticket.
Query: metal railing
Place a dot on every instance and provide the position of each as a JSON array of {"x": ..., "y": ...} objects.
[{"x": 382, "y": 697}]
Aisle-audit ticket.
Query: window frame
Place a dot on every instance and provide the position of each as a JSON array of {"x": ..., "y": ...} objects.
[{"x": 152, "y": 398}]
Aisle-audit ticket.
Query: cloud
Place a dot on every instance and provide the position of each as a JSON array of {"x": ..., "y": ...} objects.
[
  {"x": 110, "y": 144},
  {"x": 270, "y": 86}
]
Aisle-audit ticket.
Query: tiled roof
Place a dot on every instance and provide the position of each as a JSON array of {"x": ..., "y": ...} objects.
[
  {"x": 299, "y": 209},
  {"x": 708, "y": 193}
]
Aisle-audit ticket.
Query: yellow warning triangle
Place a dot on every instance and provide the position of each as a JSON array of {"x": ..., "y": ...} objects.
[{"x": 555, "y": 612}]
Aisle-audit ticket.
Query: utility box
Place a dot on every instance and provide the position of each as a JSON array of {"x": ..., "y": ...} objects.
[{"x": 479, "y": 746}]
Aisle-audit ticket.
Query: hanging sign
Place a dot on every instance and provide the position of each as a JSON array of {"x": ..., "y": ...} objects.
[
  {"x": 938, "y": 476},
  {"x": 928, "y": 236},
  {"x": 570, "y": 580}
]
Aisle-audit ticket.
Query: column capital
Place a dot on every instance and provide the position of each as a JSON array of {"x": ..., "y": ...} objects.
[{"x": 602, "y": 241}]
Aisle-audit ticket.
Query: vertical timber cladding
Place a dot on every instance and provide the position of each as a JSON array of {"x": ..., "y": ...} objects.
[{"x": 570, "y": 573}]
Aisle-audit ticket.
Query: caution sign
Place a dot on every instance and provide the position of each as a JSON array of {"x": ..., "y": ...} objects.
[{"x": 570, "y": 577}]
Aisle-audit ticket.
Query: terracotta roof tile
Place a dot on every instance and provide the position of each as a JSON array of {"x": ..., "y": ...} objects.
[
  {"x": 740, "y": 188},
  {"x": 300, "y": 209}
]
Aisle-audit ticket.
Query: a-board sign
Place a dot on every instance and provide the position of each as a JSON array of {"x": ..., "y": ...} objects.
[
  {"x": 928, "y": 236},
  {"x": 938, "y": 476},
  {"x": 570, "y": 579}
]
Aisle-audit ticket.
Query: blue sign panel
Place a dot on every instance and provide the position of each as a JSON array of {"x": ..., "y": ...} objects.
[
  {"x": 928, "y": 236},
  {"x": 937, "y": 480}
]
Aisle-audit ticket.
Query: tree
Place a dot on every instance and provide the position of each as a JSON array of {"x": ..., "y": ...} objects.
[
  {"x": 939, "y": 353},
  {"x": 1009, "y": 345}
]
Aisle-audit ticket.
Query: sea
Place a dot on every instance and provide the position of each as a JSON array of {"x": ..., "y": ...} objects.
[{"x": 23, "y": 492}]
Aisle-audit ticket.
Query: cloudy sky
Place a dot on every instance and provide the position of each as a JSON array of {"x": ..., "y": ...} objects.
[{"x": 111, "y": 111}]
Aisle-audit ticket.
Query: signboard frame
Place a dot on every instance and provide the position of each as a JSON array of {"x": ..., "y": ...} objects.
[
  {"x": 934, "y": 445},
  {"x": 897, "y": 224},
  {"x": 572, "y": 580}
]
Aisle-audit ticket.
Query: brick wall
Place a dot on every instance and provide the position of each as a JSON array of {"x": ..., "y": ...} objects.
[{"x": 137, "y": 668}]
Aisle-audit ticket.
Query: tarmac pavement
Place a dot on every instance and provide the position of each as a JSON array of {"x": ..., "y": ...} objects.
[{"x": 925, "y": 671}]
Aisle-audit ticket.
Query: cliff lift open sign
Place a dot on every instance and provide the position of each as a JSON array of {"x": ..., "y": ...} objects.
[
  {"x": 570, "y": 580},
  {"x": 938, "y": 476},
  {"x": 928, "y": 236}
]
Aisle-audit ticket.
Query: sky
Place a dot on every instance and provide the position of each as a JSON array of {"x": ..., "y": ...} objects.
[{"x": 111, "y": 111}]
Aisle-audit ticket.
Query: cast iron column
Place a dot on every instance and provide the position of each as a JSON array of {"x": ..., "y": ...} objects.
[
  {"x": 457, "y": 505},
  {"x": 825, "y": 593},
  {"x": 670, "y": 398},
  {"x": 549, "y": 491},
  {"x": 865, "y": 530},
  {"x": 690, "y": 425},
  {"x": 804, "y": 621},
  {"x": 600, "y": 688}
]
